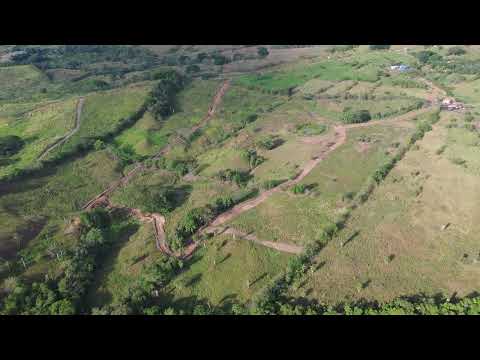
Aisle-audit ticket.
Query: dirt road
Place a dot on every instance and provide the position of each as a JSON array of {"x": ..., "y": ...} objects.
[
  {"x": 338, "y": 138},
  {"x": 63, "y": 139},
  {"x": 327, "y": 145},
  {"x": 283, "y": 247}
]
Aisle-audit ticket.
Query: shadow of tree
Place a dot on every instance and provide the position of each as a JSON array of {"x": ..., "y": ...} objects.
[{"x": 193, "y": 280}]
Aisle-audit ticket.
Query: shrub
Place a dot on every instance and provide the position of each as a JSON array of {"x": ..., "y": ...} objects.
[
  {"x": 353, "y": 117},
  {"x": 310, "y": 129},
  {"x": 441, "y": 150},
  {"x": 10, "y": 145},
  {"x": 223, "y": 203},
  {"x": 190, "y": 223},
  {"x": 262, "y": 52},
  {"x": 458, "y": 161},
  {"x": 162, "y": 98},
  {"x": 97, "y": 218},
  {"x": 192, "y": 69},
  {"x": 219, "y": 59},
  {"x": 268, "y": 142},
  {"x": 456, "y": 50},
  {"x": 379, "y": 47},
  {"x": 252, "y": 157},
  {"x": 239, "y": 177},
  {"x": 126, "y": 154},
  {"x": 349, "y": 195},
  {"x": 270, "y": 184},
  {"x": 470, "y": 127},
  {"x": 298, "y": 189},
  {"x": 99, "y": 145}
]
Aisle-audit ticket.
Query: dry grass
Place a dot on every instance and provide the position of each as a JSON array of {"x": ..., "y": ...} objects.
[{"x": 401, "y": 248}]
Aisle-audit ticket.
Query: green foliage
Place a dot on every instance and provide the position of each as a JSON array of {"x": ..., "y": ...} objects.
[
  {"x": 379, "y": 47},
  {"x": 192, "y": 69},
  {"x": 441, "y": 150},
  {"x": 353, "y": 117},
  {"x": 36, "y": 299},
  {"x": 239, "y": 177},
  {"x": 219, "y": 59},
  {"x": 268, "y": 142},
  {"x": 468, "y": 117},
  {"x": 459, "y": 161},
  {"x": 413, "y": 305},
  {"x": 310, "y": 129},
  {"x": 162, "y": 97},
  {"x": 98, "y": 145},
  {"x": 97, "y": 218},
  {"x": 131, "y": 58},
  {"x": 456, "y": 50},
  {"x": 341, "y": 48},
  {"x": 383, "y": 171},
  {"x": 429, "y": 57},
  {"x": 179, "y": 166},
  {"x": 126, "y": 154},
  {"x": 262, "y": 52},
  {"x": 270, "y": 184},
  {"x": 252, "y": 157},
  {"x": 189, "y": 224},
  {"x": 10, "y": 145},
  {"x": 298, "y": 189},
  {"x": 223, "y": 203},
  {"x": 139, "y": 298}
]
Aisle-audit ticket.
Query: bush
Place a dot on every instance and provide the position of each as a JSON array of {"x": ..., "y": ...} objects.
[
  {"x": 192, "y": 69},
  {"x": 470, "y": 127},
  {"x": 310, "y": 129},
  {"x": 10, "y": 145},
  {"x": 219, "y": 59},
  {"x": 456, "y": 50},
  {"x": 223, "y": 203},
  {"x": 162, "y": 97},
  {"x": 237, "y": 176},
  {"x": 270, "y": 184},
  {"x": 298, "y": 189},
  {"x": 268, "y": 142},
  {"x": 190, "y": 223},
  {"x": 262, "y": 52},
  {"x": 97, "y": 218},
  {"x": 359, "y": 116},
  {"x": 252, "y": 157},
  {"x": 468, "y": 117},
  {"x": 379, "y": 47},
  {"x": 459, "y": 161},
  {"x": 126, "y": 154},
  {"x": 441, "y": 150}
]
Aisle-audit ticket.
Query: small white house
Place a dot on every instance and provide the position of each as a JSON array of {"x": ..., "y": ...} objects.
[{"x": 400, "y": 67}]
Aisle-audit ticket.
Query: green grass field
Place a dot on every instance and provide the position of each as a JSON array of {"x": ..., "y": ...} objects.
[
  {"x": 102, "y": 111},
  {"x": 39, "y": 128},
  {"x": 22, "y": 82},
  {"x": 299, "y": 219},
  {"x": 225, "y": 271},
  {"x": 50, "y": 197},
  {"x": 299, "y": 75}
]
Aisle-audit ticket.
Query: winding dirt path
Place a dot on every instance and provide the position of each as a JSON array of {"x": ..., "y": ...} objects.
[
  {"x": 327, "y": 144},
  {"x": 63, "y": 139},
  {"x": 339, "y": 138}
]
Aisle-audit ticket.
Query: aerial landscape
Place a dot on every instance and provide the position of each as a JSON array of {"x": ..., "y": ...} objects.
[{"x": 239, "y": 179}]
